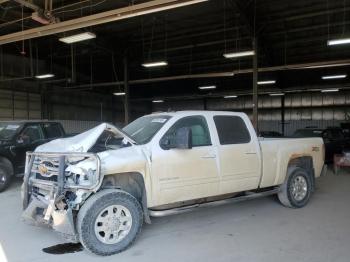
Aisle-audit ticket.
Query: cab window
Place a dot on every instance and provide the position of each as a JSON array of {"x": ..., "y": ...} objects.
[
  {"x": 231, "y": 130},
  {"x": 31, "y": 134},
  {"x": 52, "y": 130},
  {"x": 199, "y": 128}
]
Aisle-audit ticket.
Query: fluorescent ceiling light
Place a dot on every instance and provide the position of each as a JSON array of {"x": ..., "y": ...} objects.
[
  {"x": 267, "y": 82},
  {"x": 155, "y": 64},
  {"x": 230, "y": 96},
  {"x": 277, "y": 94},
  {"x": 333, "y": 77},
  {"x": 77, "y": 38},
  {"x": 330, "y": 90},
  {"x": 157, "y": 101},
  {"x": 239, "y": 54},
  {"x": 206, "y": 87},
  {"x": 339, "y": 41},
  {"x": 119, "y": 94},
  {"x": 44, "y": 76}
]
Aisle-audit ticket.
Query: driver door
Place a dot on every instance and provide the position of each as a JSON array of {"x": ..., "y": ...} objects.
[{"x": 185, "y": 174}]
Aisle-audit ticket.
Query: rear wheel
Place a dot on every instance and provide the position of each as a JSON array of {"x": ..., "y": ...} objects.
[
  {"x": 296, "y": 190},
  {"x": 5, "y": 178},
  {"x": 109, "y": 222}
]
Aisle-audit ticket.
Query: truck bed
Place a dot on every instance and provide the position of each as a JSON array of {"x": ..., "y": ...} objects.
[{"x": 276, "y": 152}]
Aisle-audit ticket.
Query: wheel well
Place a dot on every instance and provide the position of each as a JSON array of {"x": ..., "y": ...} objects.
[
  {"x": 306, "y": 163},
  {"x": 133, "y": 183},
  {"x": 7, "y": 165}
]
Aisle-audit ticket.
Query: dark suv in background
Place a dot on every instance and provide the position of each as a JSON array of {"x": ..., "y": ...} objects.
[
  {"x": 18, "y": 137},
  {"x": 334, "y": 139}
]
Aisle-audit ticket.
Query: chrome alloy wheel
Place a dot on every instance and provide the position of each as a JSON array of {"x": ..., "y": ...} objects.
[
  {"x": 113, "y": 224},
  {"x": 299, "y": 188}
]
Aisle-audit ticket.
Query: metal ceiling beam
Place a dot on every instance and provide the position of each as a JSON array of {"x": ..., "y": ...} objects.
[
  {"x": 28, "y": 4},
  {"x": 302, "y": 66},
  {"x": 97, "y": 19},
  {"x": 291, "y": 90}
]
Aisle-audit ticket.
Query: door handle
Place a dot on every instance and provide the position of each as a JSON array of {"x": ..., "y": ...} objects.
[
  {"x": 250, "y": 153},
  {"x": 209, "y": 156}
]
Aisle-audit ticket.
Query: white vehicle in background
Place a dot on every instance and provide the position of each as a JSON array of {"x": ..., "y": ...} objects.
[{"x": 100, "y": 186}]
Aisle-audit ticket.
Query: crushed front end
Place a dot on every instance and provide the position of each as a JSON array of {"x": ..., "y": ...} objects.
[{"x": 56, "y": 185}]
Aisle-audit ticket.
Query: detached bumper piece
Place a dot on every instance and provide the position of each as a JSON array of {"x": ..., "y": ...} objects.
[
  {"x": 48, "y": 202},
  {"x": 39, "y": 213}
]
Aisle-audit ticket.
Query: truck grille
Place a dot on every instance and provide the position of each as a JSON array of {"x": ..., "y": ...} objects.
[
  {"x": 53, "y": 169},
  {"x": 45, "y": 168},
  {"x": 52, "y": 178}
]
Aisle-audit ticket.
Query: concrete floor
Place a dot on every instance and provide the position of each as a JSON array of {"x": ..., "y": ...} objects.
[{"x": 256, "y": 230}]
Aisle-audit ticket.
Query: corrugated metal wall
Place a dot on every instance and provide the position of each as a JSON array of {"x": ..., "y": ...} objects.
[
  {"x": 80, "y": 111},
  {"x": 301, "y": 109},
  {"x": 19, "y": 105},
  {"x": 292, "y": 125},
  {"x": 74, "y": 126}
]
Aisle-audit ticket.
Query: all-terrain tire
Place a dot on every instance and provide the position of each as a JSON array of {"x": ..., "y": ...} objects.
[
  {"x": 288, "y": 195},
  {"x": 90, "y": 212}
]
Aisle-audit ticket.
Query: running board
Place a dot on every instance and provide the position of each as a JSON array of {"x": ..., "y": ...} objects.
[{"x": 179, "y": 210}]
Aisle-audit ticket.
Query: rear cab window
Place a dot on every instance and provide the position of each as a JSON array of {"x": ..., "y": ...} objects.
[
  {"x": 231, "y": 130},
  {"x": 52, "y": 130}
]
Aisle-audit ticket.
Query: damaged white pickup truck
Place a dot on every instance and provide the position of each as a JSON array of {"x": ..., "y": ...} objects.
[{"x": 100, "y": 186}]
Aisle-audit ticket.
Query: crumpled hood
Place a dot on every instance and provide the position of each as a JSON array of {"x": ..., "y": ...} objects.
[{"x": 82, "y": 142}]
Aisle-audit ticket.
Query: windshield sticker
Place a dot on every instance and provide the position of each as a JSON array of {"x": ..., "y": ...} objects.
[
  {"x": 12, "y": 127},
  {"x": 159, "y": 120}
]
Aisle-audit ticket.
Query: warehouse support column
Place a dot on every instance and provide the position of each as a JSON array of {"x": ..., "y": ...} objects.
[
  {"x": 126, "y": 90},
  {"x": 282, "y": 114},
  {"x": 255, "y": 84}
]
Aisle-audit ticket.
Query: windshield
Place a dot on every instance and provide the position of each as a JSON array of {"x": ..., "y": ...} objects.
[
  {"x": 144, "y": 128},
  {"x": 8, "y": 130},
  {"x": 308, "y": 133}
]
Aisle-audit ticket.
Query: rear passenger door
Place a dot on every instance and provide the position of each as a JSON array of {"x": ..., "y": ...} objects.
[{"x": 239, "y": 155}]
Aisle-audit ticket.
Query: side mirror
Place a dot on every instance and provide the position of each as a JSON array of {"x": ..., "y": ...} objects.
[{"x": 183, "y": 138}]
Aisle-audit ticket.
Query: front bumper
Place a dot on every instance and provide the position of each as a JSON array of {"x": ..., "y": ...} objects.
[
  {"x": 43, "y": 211},
  {"x": 51, "y": 202}
]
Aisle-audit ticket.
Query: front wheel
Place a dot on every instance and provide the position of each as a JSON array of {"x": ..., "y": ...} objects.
[
  {"x": 5, "y": 178},
  {"x": 109, "y": 222},
  {"x": 296, "y": 190}
]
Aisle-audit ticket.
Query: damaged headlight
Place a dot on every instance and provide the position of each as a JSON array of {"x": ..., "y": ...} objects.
[{"x": 80, "y": 177}]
